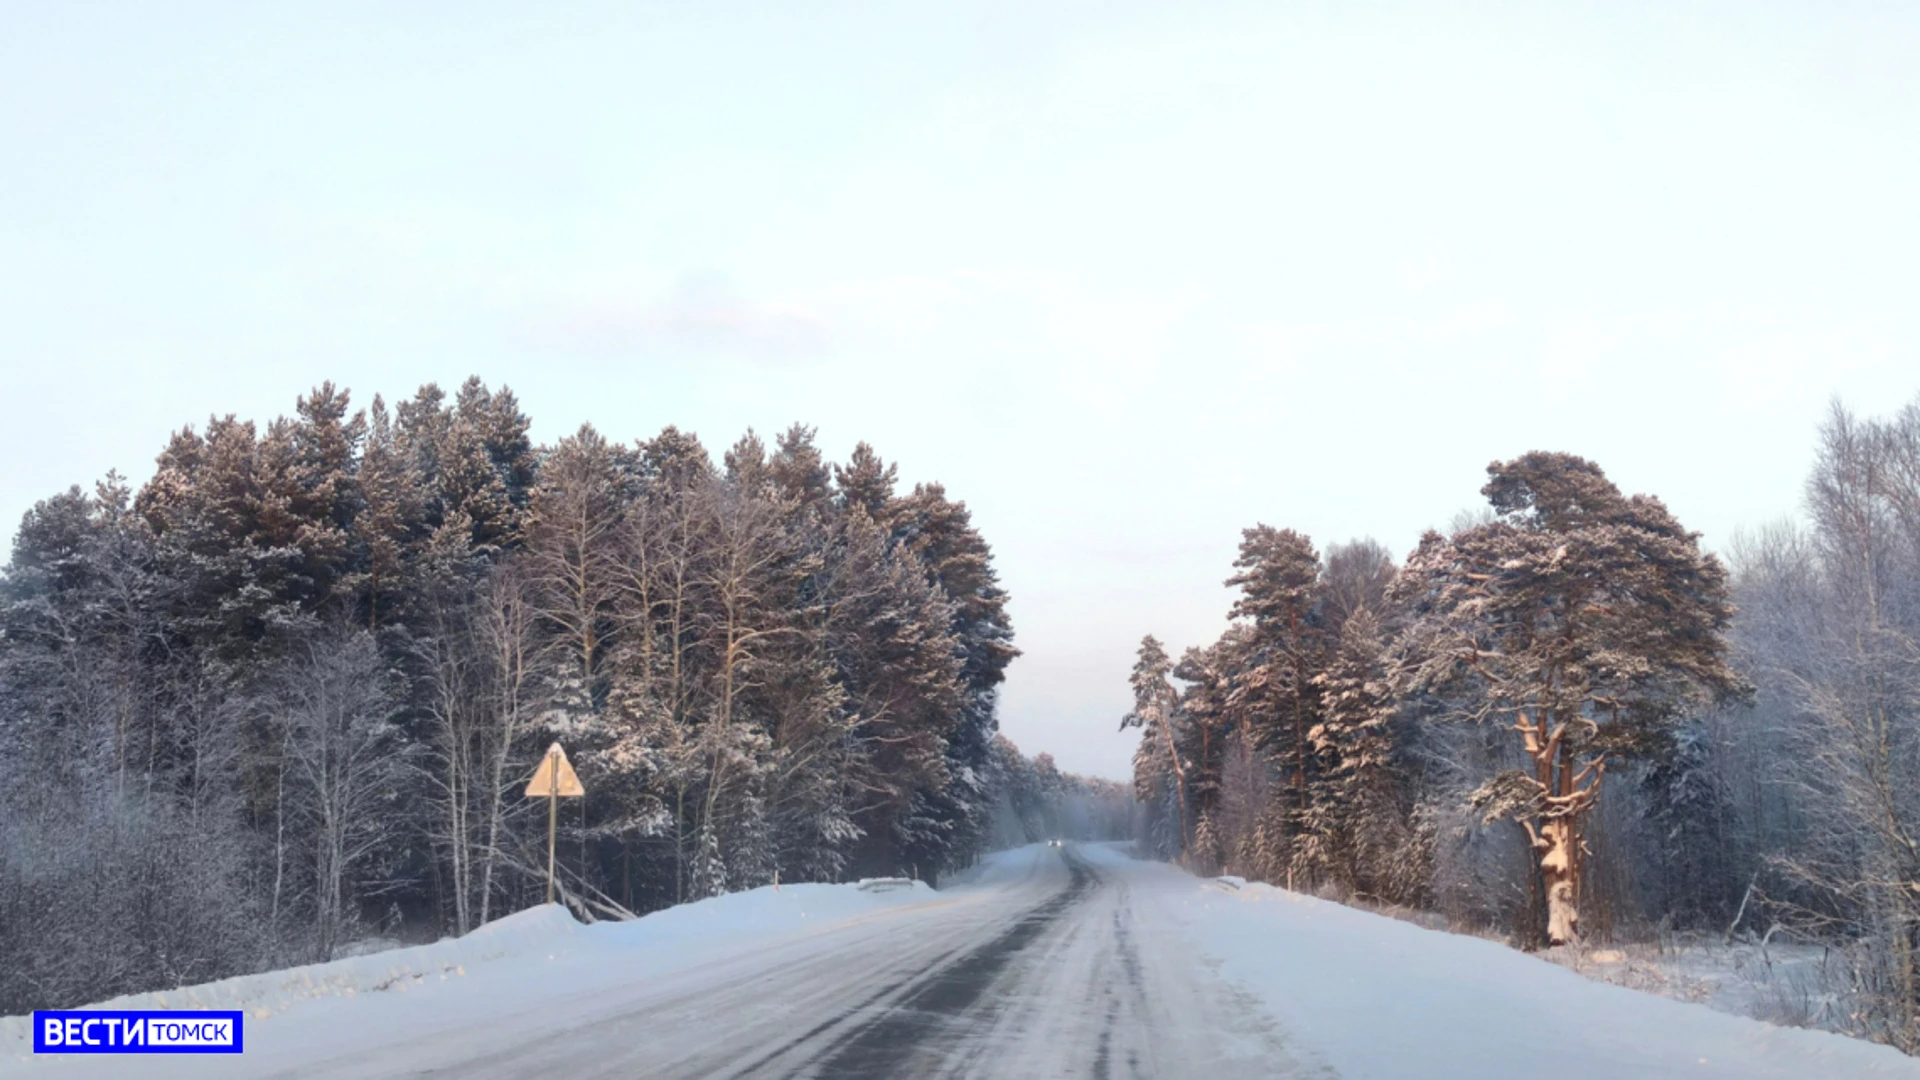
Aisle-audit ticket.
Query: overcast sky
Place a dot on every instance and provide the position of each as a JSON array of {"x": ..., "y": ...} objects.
[{"x": 1125, "y": 277}]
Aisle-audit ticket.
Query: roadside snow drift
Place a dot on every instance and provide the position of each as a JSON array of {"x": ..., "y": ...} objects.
[{"x": 500, "y": 964}]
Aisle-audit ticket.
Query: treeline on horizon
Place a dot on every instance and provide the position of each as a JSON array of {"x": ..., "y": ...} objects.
[
  {"x": 1562, "y": 720},
  {"x": 286, "y": 695}
]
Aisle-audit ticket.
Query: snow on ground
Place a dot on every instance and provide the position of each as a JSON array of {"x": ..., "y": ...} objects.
[
  {"x": 542, "y": 948},
  {"x": 1377, "y": 997},
  {"x": 1040, "y": 962},
  {"x": 1781, "y": 982}
]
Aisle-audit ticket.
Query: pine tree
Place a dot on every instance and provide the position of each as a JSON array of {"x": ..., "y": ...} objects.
[
  {"x": 391, "y": 522},
  {"x": 709, "y": 869},
  {"x": 868, "y": 483},
  {"x": 326, "y": 498},
  {"x": 1690, "y": 807},
  {"x": 475, "y": 465},
  {"x": 754, "y": 854},
  {"x": 1205, "y": 856},
  {"x": 489, "y": 463},
  {"x": 798, "y": 470},
  {"x": 1355, "y": 827},
  {"x": 1587, "y": 622},
  {"x": 1156, "y": 712},
  {"x": 890, "y": 638},
  {"x": 1273, "y": 844},
  {"x": 959, "y": 563},
  {"x": 1278, "y": 579}
]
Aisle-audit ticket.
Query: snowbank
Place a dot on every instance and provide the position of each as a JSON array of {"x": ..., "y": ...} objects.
[
  {"x": 750, "y": 918},
  {"x": 270, "y": 992},
  {"x": 545, "y": 938}
]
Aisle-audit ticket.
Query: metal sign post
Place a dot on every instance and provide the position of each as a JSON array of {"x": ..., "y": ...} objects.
[
  {"x": 553, "y": 779},
  {"x": 553, "y": 821}
]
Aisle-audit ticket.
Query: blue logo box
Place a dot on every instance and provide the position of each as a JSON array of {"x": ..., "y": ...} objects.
[{"x": 127, "y": 1031}]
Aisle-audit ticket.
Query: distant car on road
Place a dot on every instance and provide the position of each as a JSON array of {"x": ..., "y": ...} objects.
[{"x": 1056, "y": 843}]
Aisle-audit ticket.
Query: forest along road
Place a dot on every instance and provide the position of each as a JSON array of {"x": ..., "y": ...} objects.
[{"x": 1047, "y": 974}]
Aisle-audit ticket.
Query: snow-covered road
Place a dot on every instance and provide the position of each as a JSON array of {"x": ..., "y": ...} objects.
[
  {"x": 1074, "y": 962},
  {"x": 1043, "y": 974}
]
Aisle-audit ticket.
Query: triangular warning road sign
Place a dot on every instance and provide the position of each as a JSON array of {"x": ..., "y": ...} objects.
[{"x": 542, "y": 783}]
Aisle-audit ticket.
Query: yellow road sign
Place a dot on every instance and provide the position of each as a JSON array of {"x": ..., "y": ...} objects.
[{"x": 543, "y": 785}]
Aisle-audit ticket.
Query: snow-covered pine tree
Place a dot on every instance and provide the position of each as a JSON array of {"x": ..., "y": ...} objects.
[
  {"x": 1278, "y": 578},
  {"x": 754, "y": 854},
  {"x": 309, "y": 493},
  {"x": 1156, "y": 713},
  {"x": 709, "y": 868},
  {"x": 1357, "y": 826},
  {"x": 390, "y": 525},
  {"x": 1272, "y": 844},
  {"x": 1204, "y": 858},
  {"x": 868, "y": 482},
  {"x": 959, "y": 562},
  {"x": 1206, "y": 724},
  {"x": 1585, "y": 621},
  {"x": 890, "y": 640},
  {"x": 799, "y": 471},
  {"x": 1690, "y": 808}
]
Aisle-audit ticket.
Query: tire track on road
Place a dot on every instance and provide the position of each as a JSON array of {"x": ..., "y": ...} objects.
[{"x": 930, "y": 1018}]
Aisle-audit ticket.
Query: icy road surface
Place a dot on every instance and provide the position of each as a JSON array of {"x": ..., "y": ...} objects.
[
  {"x": 1074, "y": 962},
  {"x": 1042, "y": 975}
]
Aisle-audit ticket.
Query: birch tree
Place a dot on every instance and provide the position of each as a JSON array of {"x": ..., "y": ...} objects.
[{"x": 346, "y": 768}]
